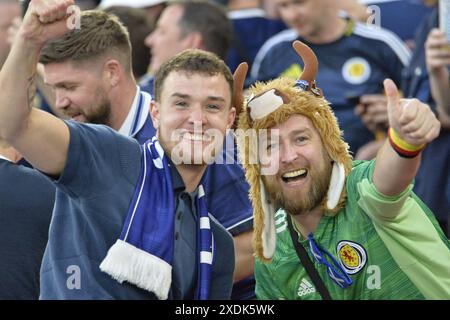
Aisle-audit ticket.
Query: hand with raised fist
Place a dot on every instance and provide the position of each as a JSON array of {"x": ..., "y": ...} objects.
[{"x": 46, "y": 20}]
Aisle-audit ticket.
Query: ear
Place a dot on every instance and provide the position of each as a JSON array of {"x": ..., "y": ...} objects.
[
  {"x": 154, "y": 113},
  {"x": 194, "y": 40},
  {"x": 231, "y": 117},
  {"x": 113, "y": 71}
]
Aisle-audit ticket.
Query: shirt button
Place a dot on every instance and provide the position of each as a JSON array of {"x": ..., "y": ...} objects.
[{"x": 177, "y": 235}]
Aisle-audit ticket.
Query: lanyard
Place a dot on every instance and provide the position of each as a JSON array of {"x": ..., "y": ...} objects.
[{"x": 334, "y": 268}]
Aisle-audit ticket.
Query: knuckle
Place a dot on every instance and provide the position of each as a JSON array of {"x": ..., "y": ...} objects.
[
  {"x": 412, "y": 128},
  {"x": 406, "y": 118}
]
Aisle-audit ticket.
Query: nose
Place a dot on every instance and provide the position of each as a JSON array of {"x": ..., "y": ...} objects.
[
  {"x": 197, "y": 116},
  {"x": 288, "y": 154},
  {"x": 62, "y": 101},
  {"x": 148, "y": 41}
]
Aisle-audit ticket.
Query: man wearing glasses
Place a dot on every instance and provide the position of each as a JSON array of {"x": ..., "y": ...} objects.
[{"x": 326, "y": 227}]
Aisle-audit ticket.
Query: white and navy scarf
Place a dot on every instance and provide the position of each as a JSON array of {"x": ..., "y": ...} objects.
[{"x": 144, "y": 252}]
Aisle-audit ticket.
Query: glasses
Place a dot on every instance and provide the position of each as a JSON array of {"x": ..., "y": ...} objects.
[{"x": 334, "y": 269}]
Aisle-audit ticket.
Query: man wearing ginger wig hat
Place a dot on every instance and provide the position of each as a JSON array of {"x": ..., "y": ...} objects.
[{"x": 324, "y": 226}]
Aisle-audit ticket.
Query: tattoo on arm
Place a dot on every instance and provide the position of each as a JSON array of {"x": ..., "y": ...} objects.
[{"x": 31, "y": 92}]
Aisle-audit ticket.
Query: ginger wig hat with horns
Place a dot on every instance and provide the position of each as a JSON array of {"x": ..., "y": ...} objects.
[{"x": 271, "y": 104}]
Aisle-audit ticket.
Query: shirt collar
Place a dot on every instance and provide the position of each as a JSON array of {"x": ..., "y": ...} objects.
[
  {"x": 177, "y": 182},
  {"x": 138, "y": 114},
  {"x": 5, "y": 158}
]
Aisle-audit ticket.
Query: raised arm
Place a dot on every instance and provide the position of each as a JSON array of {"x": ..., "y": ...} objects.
[
  {"x": 413, "y": 125},
  {"x": 44, "y": 89},
  {"x": 437, "y": 51},
  {"x": 41, "y": 138}
]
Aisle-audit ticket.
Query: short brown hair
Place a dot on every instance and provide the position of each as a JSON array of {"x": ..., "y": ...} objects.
[
  {"x": 192, "y": 61},
  {"x": 98, "y": 34}
]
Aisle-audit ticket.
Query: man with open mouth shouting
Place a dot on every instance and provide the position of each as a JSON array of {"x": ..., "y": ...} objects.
[{"x": 325, "y": 226}]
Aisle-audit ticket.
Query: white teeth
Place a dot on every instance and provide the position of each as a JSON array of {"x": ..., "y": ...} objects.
[
  {"x": 294, "y": 174},
  {"x": 195, "y": 137}
]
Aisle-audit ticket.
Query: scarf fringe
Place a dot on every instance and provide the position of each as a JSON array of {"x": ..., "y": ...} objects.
[{"x": 125, "y": 262}]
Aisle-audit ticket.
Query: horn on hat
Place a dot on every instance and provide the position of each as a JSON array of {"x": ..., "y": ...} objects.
[
  {"x": 267, "y": 102},
  {"x": 307, "y": 80},
  {"x": 238, "y": 89}
]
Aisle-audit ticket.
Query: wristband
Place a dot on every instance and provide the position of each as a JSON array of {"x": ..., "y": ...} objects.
[{"x": 403, "y": 148}]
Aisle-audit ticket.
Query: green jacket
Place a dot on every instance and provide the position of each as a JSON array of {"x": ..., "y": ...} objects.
[{"x": 388, "y": 255}]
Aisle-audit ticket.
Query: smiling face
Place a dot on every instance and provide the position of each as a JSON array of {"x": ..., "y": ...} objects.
[
  {"x": 81, "y": 92},
  {"x": 304, "y": 167},
  {"x": 192, "y": 116}
]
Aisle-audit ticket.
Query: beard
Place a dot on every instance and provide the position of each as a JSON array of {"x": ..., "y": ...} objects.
[
  {"x": 98, "y": 113},
  {"x": 294, "y": 203},
  {"x": 101, "y": 114}
]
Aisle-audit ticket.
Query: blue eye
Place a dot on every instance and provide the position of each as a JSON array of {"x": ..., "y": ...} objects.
[
  {"x": 67, "y": 87},
  {"x": 301, "y": 139},
  {"x": 181, "y": 104},
  {"x": 213, "y": 107}
]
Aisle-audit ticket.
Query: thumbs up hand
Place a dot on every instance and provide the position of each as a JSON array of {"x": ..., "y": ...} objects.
[
  {"x": 412, "y": 125},
  {"x": 412, "y": 120}
]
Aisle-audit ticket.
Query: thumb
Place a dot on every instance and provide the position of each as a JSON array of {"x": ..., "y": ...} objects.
[{"x": 393, "y": 99}]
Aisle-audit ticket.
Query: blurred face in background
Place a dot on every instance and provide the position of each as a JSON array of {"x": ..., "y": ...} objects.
[
  {"x": 307, "y": 17},
  {"x": 9, "y": 9},
  {"x": 167, "y": 39}
]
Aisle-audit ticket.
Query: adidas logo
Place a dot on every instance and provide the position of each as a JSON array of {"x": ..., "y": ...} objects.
[{"x": 305, "y": 288}]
